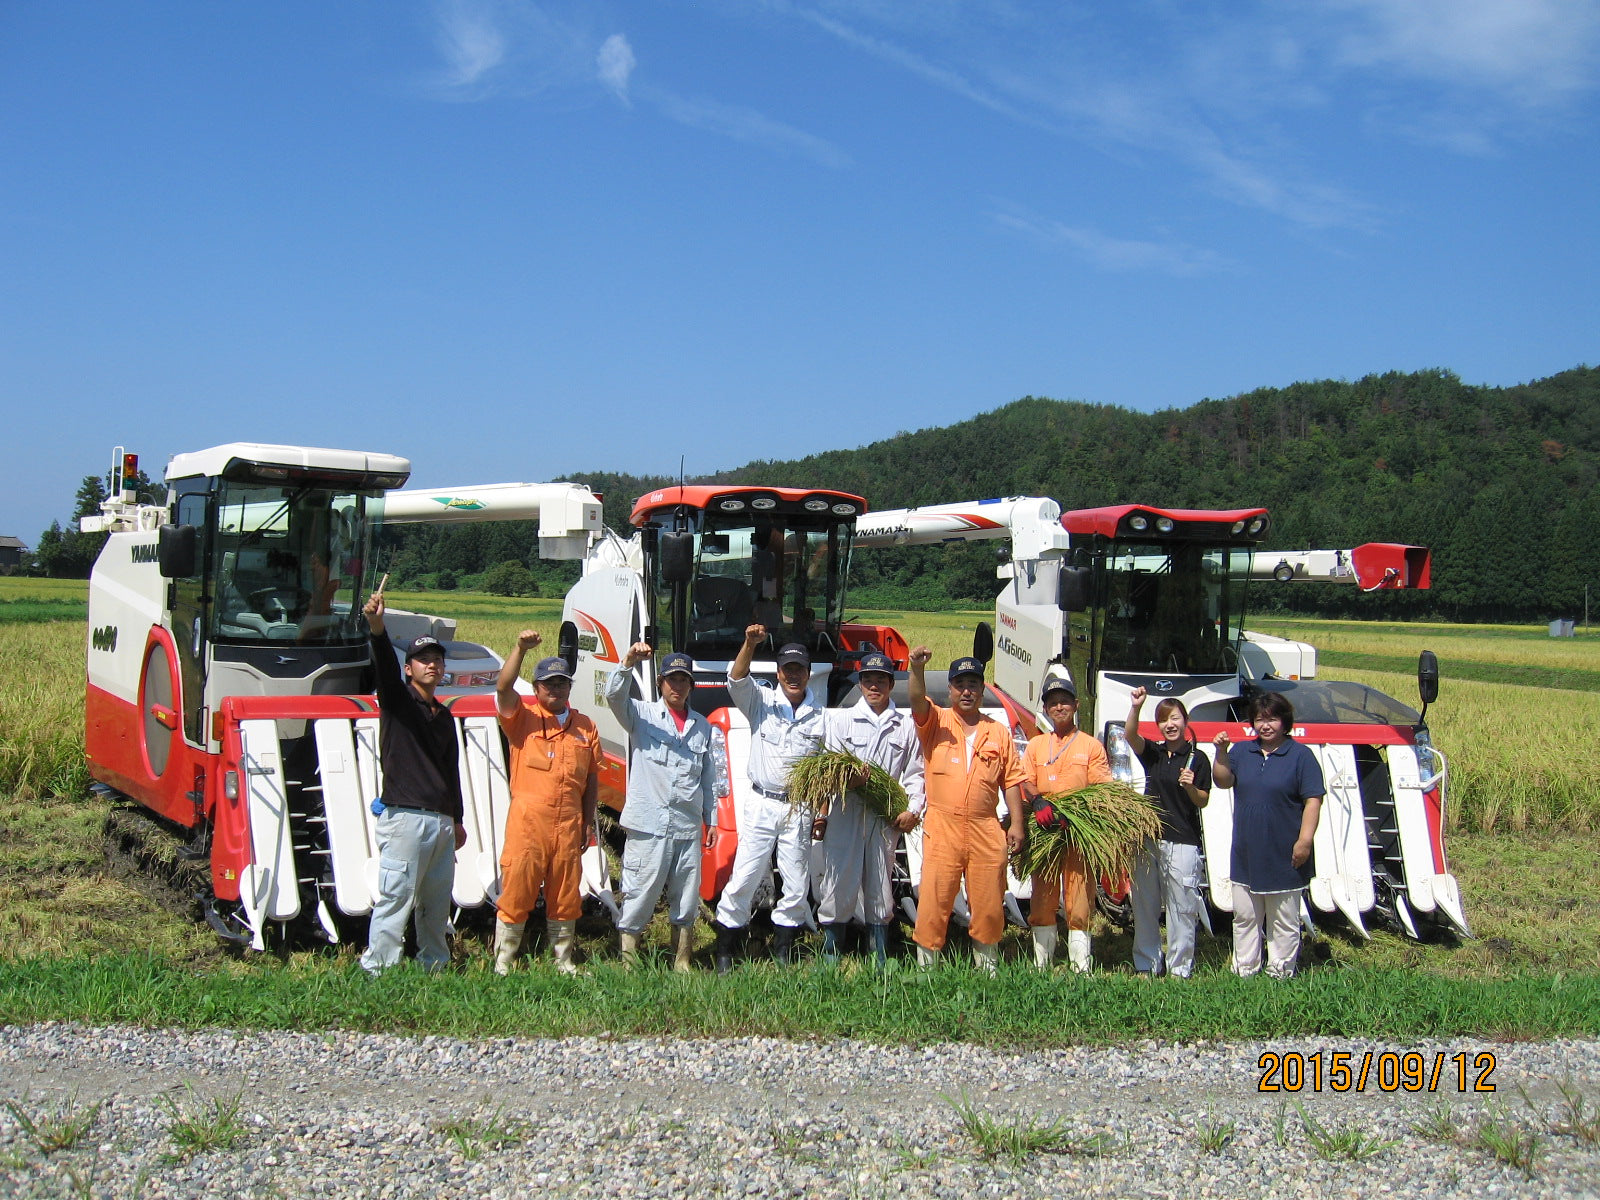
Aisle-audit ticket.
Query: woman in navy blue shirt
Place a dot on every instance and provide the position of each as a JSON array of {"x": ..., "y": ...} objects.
[{"x": 1277, "y": 799}]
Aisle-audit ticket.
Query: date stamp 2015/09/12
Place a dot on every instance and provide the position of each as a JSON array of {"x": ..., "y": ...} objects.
[{"x": 1383, "y": 1071}]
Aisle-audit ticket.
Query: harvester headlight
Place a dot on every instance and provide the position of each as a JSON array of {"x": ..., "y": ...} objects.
[
  {"x": 844, "y": 510},
  {"x": 1257, "y": 525},
  {"x": 1164, "y": 524},
  {"x": 1138, "y": 522},
  {"x": 1283, "y": 572},
  {"x": 763, "y": 503},
  {"x": 1238, "y": 527},
  {"x": 731, "y": 506},
  {"x": 816, "y": 505},
  {"x": 722, "y": 779}
]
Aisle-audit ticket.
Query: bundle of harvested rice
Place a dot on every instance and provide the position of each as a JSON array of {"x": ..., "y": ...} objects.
[
  {"x": 1105, "y": 822},
  {"x": 818, "y": 777}
]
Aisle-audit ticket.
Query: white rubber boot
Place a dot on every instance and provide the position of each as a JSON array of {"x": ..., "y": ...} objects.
[
  {"x": 563, "y": 936},
  {"x": 928, "y": 958},
  {"x": 986, "y": 958},
  {"x": 507, "y": 941},
  {"x": 1078, "y": 950},
  {"x": 1044, "y": 945},
  {"x": 630, "y": 951},
  {"x": 683, "y": 943}
]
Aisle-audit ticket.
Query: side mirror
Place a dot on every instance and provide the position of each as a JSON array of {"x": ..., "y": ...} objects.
[
  {"x": 1073, "y": 589},
  {"x": 176, "y": 551},
  {"x": 983, "y": 642},
  {"x": 677, "y": 557},
  {"x": 567, "y": 644},
  {"x": 1428, "y": 676}
]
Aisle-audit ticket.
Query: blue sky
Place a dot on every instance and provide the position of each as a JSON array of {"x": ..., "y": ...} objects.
[{"x": 512, "y": 239}]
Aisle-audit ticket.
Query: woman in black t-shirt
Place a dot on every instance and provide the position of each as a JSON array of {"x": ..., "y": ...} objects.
[{"x": 1178, "y": 775}]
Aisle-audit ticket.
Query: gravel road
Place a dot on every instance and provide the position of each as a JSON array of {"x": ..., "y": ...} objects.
[{"x": 356, "y": 1115}]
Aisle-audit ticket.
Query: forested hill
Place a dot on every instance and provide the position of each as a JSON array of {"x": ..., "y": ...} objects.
[{"x": 1499, "y": 482}]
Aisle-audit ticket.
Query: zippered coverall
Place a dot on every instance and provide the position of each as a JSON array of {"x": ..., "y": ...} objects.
[{"x": 962, "y": 837}]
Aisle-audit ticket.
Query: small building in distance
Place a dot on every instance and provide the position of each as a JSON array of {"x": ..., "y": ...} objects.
[{"x": 11, "y": 551}]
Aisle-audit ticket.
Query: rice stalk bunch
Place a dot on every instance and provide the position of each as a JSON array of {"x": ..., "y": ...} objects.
[
  {"x": 816, "y": 778},
  {"x": 1105, "y": 822}
]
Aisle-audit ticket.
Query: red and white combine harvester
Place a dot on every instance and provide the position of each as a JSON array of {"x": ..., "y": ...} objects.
[{"x": 229, "y": 685}]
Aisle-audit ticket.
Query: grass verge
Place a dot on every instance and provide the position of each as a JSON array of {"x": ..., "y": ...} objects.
[{"x": 1021, "y": 1007}]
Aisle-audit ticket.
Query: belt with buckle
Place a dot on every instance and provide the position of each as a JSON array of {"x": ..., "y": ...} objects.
[{"x": 769, "y": 794}]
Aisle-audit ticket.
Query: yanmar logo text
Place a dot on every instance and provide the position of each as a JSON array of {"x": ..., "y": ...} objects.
[
  {"x": 1008, "y": 620},
  {"x": 144, "y": 553}
]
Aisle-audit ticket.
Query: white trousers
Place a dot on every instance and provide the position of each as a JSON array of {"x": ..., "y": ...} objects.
[
  {"x": 1276, "y": 912},
  {"x": 852, "y": 862},
  {"x": 416, "y": 871},
  {"x": 1165, "y": 873},
  {"x": 765, "y": 825},
  {"x": 651, "y": 866}
]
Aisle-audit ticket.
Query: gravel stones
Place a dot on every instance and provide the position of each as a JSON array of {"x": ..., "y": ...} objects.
[{"x": 353, "y": 1115}]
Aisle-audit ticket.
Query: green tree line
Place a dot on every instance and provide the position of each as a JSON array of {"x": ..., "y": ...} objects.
[{"x": 1500, "y": 483}]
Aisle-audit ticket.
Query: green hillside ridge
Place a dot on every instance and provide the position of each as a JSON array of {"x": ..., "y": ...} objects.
[{"x": 1499, "y": 482}]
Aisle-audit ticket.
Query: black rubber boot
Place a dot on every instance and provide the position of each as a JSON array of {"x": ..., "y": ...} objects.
[
  {"x": 722, "y": 952},
  {"x": 783, "y": 943}
]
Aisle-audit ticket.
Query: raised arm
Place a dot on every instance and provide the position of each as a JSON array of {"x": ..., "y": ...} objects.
[
  {"x": 1135, "y": 706},
  {"x": 506, "y": 700},
  {"x": 617, "y": 698},
  {"x": 918, "y": 685},
  {"x": 754, "y": 635},
  {"x": 1220, "y": 771}
]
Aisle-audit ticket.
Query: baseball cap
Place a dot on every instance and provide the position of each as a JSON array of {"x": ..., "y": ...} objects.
[
  {"x": 675, "y": 662},
  {"x": 876, "y": 661},
  {"x": 794, "y": 652},
  {"x": 552, "y": 668},
  {"x": 422, "y": 645},
  {"x": 1059, "y": 685},
  {"x": 966, "y": 666}
]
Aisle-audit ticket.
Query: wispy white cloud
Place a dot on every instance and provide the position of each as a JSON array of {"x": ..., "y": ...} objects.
[
  {"x": 1114, "y": 254},
  {"x": 1534, "y": 52},
  {"x": 615, "y": 63},
  {"x": 1230, "y": 91},
  {"x": 470, "y": 42},
  {"x": 744, "y": 125},
  {"x": 513, "y": 48}
]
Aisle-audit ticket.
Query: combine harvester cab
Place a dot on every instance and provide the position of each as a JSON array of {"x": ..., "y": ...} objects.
[
  {"x": 229, "y": 673},
  {"x": 1156, "y": 598},
  {"x": 703, "y": 564}
]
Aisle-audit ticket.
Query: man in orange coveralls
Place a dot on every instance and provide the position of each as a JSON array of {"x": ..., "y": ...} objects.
[
  {"x": 1063, "y": 760},
  {"x": 970, "y": 760},
  {"x": 555, "y": 790}
]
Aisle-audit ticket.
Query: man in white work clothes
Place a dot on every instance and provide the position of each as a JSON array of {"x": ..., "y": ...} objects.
[
  {"x": 785, "y": 724},
  {"x": 855, "y": 844}
]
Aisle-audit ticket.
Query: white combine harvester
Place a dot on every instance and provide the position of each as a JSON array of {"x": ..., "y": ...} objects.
[{"x": 228, "y": 687}]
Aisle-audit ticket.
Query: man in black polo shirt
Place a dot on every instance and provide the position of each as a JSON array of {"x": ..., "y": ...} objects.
[{"x": 420, "y": 829}]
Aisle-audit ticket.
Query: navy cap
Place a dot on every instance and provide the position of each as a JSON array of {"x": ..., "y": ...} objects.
[
  {"x": 675, "y": 662},
  {"x": 422, "y": 645},
  {"x": 552, "y": 668},
  {"x": 794, "y": 652},
  {"x": 1058, "y": 685},
  {"x": 966, "y": 666},
  {"x": 876, "y": 661}
]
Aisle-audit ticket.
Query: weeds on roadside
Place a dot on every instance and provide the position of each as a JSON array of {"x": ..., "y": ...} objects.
[
  {"x": 1215, "y": 1136},
  {"x": 1341, "y": 1141},
  {"x": 202, "y": 1125},
  {"x": 1280, "y": 1126},
  {"x": 59, "y": 1128},
  {"x": 1438, "y": 1126},
  {"x": 1016, "y": 1141},
  {"x": 476, "y": 1132},
  {"x": 1578, "y": 1120},
  {"x": 1511, "y": 1144},
  {"x": 792, "y": 1143}
]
